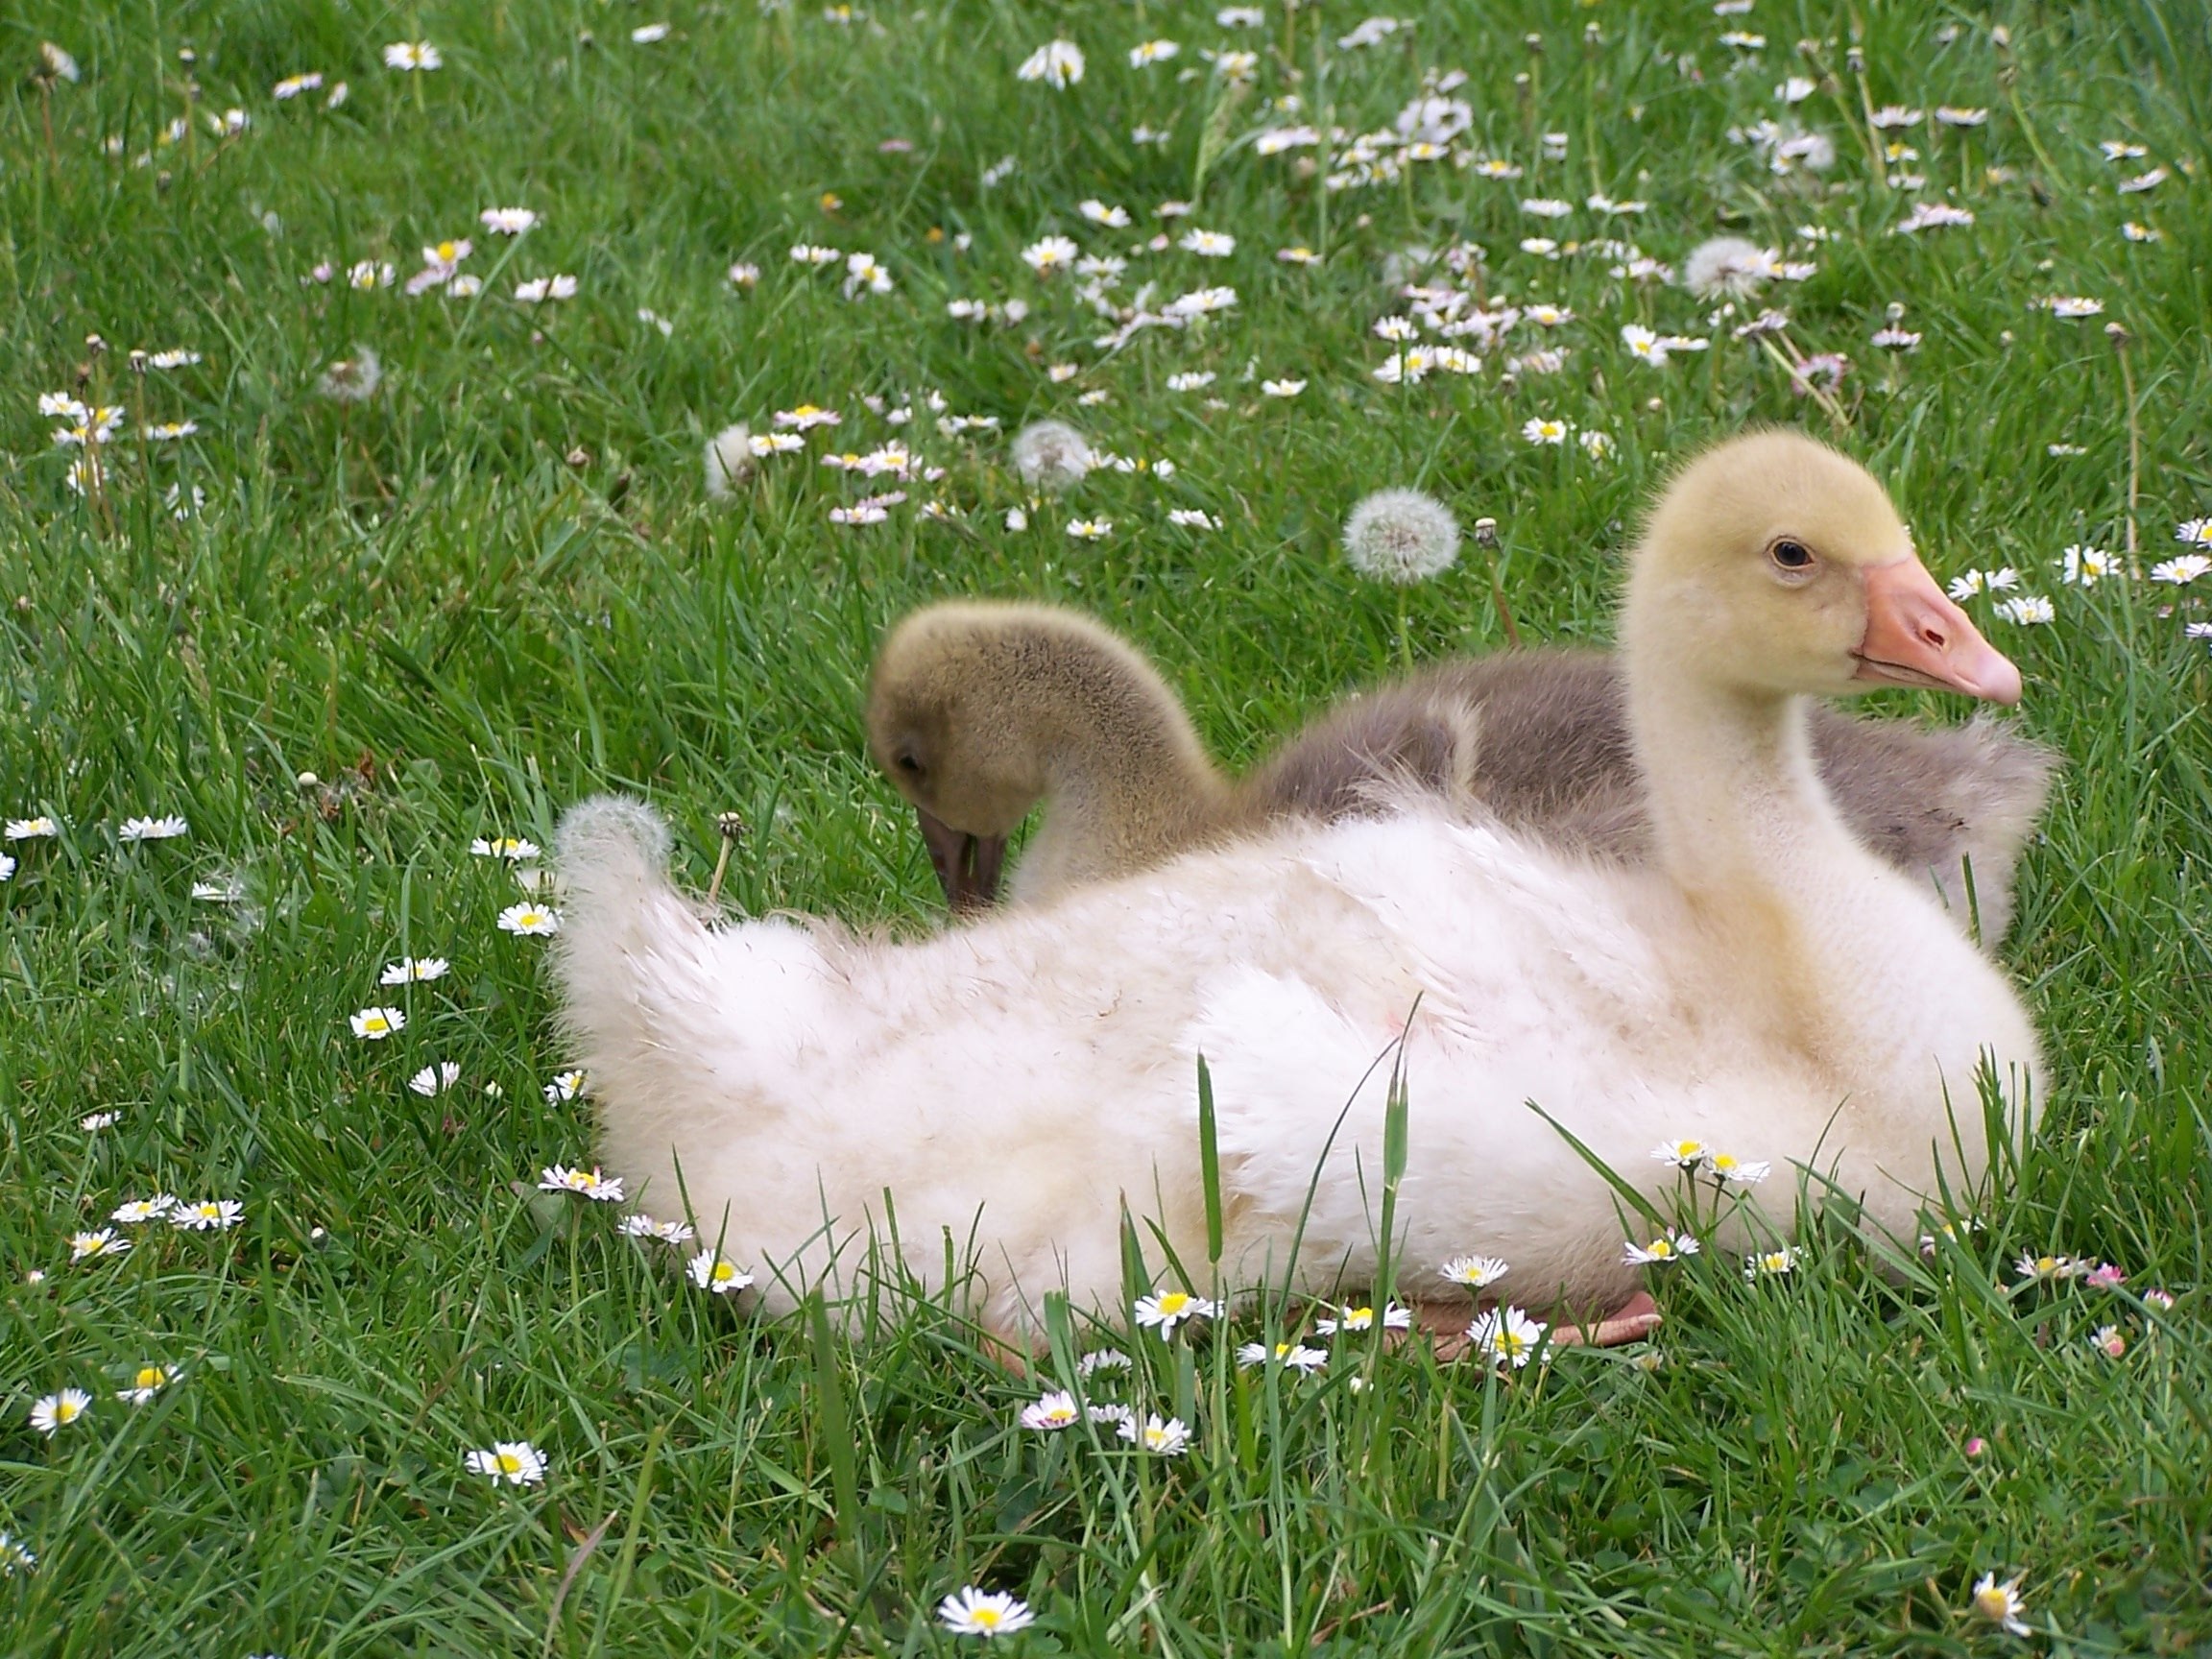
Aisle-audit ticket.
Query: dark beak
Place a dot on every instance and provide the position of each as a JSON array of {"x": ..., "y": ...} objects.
[{"x": 967, "y": 865}]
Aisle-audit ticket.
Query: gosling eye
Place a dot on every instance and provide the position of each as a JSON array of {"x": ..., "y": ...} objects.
[
  {"x": 909, "y": 765},
  {"x": 1792, "y": 558}
]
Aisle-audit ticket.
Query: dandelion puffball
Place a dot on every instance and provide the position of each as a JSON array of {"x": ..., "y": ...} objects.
[
  {"x": 1401, "y": 535},
  {"x": 352, "y": 379},
  {"x": 1051, "y": 455},
  {"x": 729, "y": 460},
  {"x": 1725, "y": 265}
]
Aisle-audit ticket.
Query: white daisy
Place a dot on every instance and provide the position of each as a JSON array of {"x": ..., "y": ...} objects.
[
  {"x": 2002, "y": 1604},
  {"x": 1506, "y": 1335},
  {"x": 1053, "y": 1411},
  {"x": 516, "y": 1462},
  {"x": 1294, "y": 1355},
  {"x": 1050, "y": 254},
  {"x": 1771, "y": 1263},
  {"x": 1171, "y": 1438},
  {"x": 148, "y": 1380},
  {"x": 375, "y": 1025},
  {"x": 1170, "y": 1307},
  {"x": 57, "y": 1411},
  {"x": 1058, "y": 65},
  {"x": 92, "y": 1247},
  {"x": 713, "y": 1272},
  {"x": 209, "y": 1215},
  {"x": 643, "y": 1226},
  {"x": 1670, "y": 1247},
  {"x": 1476, "y": 1272},
  {"x": 153, "y": 829},
  {"x": 1362, "y": 1318},
  {"x": 1727, "y": 1166},
  {"x": 584, "y": 1183},
  {"x": 972, "y": 1611}
]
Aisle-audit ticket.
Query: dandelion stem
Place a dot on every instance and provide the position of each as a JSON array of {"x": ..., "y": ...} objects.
[
  {"x": 2134, "y": 452},
  {"x": 731, "y": 828},
  {"x": 1504, "y": 609},
  {"x": 1874, "y": 154}
]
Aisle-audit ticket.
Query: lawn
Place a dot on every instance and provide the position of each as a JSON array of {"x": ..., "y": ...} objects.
[{"x": 348, "y": 578}]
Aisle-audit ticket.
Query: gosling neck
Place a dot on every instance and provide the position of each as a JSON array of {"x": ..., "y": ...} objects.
[
  {"x": 1739, "y": 815},
  {"x": 1122, "y": 766}
]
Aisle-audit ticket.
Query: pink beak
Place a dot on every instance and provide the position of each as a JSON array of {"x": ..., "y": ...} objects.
[{"x": 1917, "y": 636}]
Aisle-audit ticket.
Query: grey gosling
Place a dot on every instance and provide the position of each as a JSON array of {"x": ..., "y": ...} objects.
[{"x": 978, "y": 711}]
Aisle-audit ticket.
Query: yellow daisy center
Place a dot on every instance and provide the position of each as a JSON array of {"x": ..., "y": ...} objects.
[
  {"x": 65, "y": 1410},
  {"x": 1174, "y": 1302},
  {"x": 987, "y": 1617},
  {"x": 510, "y": 1464}
]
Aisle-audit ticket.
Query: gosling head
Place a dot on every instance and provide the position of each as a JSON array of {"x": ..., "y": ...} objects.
[
  {"x": 938, "y": 725},
  {"x": 1773, "y": 565}
]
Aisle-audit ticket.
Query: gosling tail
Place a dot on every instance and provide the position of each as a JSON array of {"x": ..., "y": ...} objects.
[{"x": 684, "y": 1028}]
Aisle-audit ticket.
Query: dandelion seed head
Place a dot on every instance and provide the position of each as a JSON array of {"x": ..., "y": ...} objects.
[
  {"x": 1401, "y": 535},
  {"x": 1724, "y": 266},
  {"x": 352, "y": 379},
  {"x": 1051, "y": 455},
  {"x": 728, "y": 461}
]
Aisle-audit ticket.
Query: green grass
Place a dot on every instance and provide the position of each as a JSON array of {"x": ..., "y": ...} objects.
[{"x": 496, "y": 586}]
